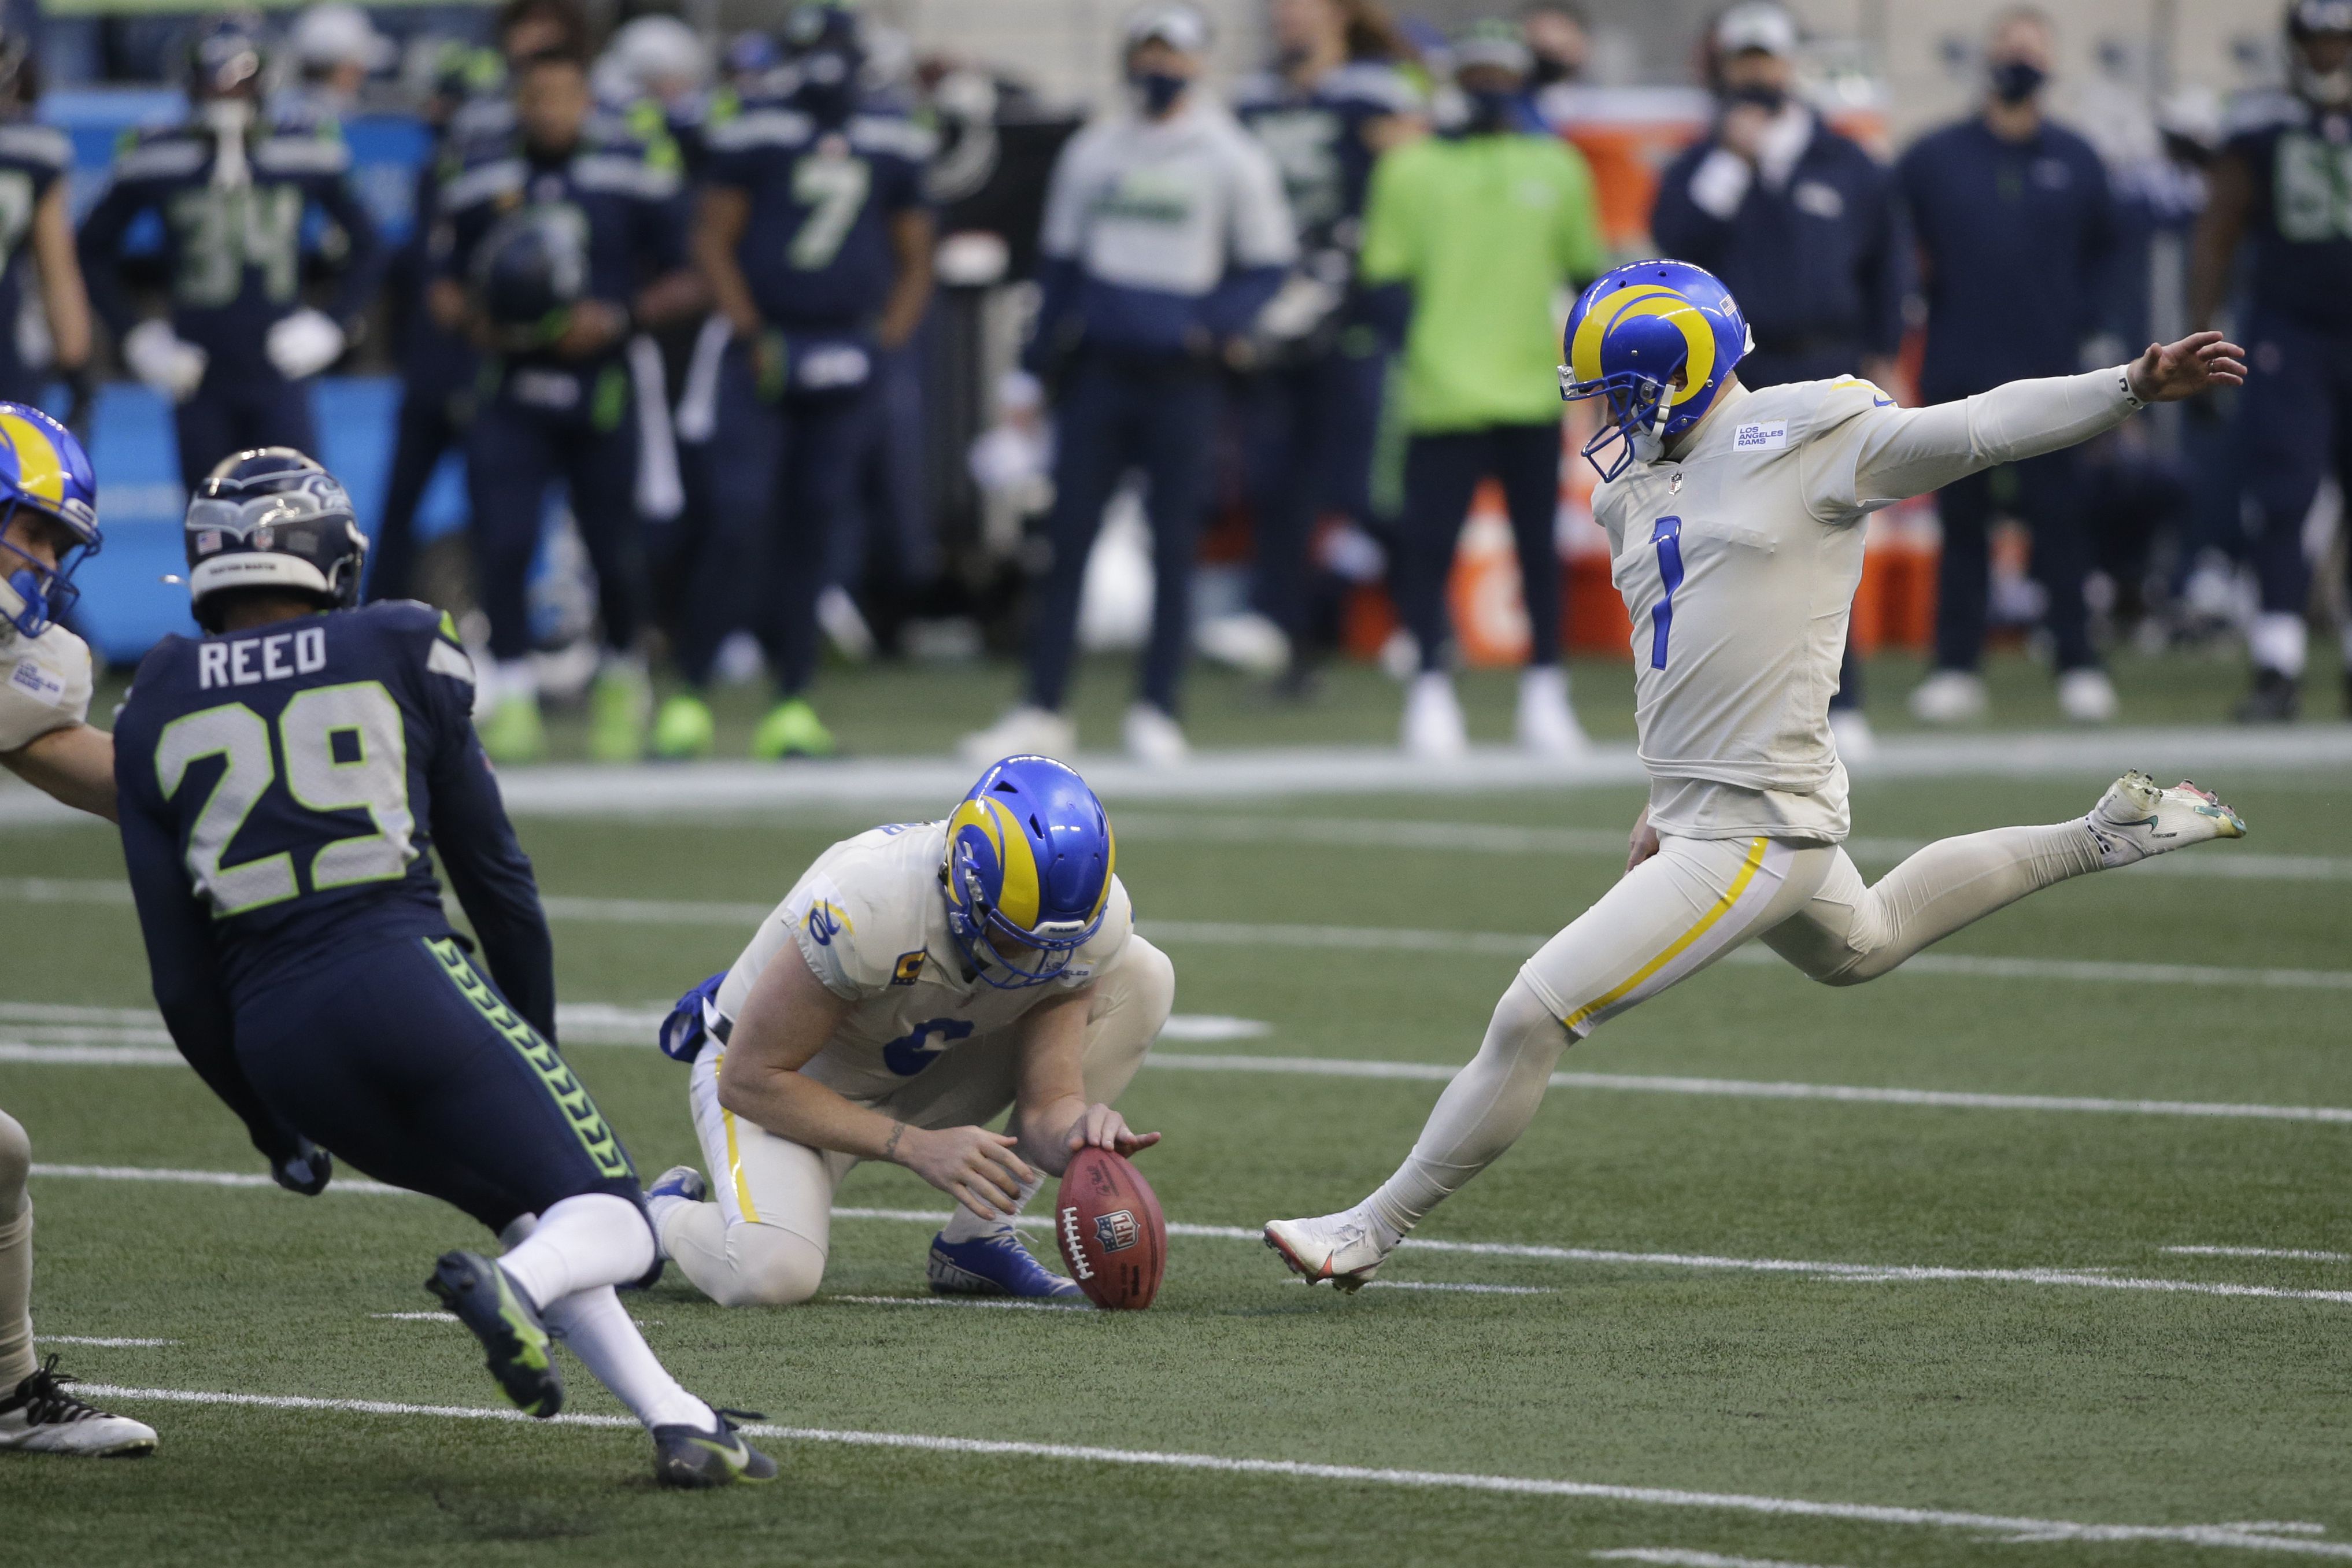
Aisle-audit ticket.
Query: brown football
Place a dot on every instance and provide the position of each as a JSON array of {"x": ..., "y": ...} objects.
[{"x": 1113, "y": 1239}]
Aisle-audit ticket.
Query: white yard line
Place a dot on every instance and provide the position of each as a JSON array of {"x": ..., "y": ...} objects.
[
  {"x": 2005, "y": 1526},
  {"x": 1409, "y": 939},
  {"x": 1673, "y": 1557},
  {"x": 1705, "y": 1262},
  {"x": 961, "y": 1302},
  {"x": 107, "y": 1342},
  {"x": 416, "y": 1317},
  {"x": 2298, "y": 1254}
]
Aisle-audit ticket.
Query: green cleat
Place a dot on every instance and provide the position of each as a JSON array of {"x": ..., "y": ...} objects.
[
  {"x": 792, "y": 728},
  {"x": 691, "y": 1459},
  {"x": 522, "y": 1352},
  {"x": 513, "y": 733},
  {"x": 684, "y": 730},
  {"x": 618, "y": 706}
]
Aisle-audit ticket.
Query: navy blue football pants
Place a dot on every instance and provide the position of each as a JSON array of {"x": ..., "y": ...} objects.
[
  {"x": 1157, "y": 412},
  {"x": 1441, "y": 470},
  {"x": 257, "y": 409},
  {"x": 2045, "y": 494},
  {"x": 1311, "y": 430},
  {"x": 2294, "y": 426},
  {"x": 782, "y": 477},
  {"x": 404, "y": 1061},
  {"x": 513, "y": 454},
  {"x": 424, "y": 431}
]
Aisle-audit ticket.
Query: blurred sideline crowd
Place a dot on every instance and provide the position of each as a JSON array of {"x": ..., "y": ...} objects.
[{"x": 706, "y": 299}]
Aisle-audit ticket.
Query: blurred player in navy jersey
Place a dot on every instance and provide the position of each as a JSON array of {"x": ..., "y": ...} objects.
[
  {"x": 36, "y": 226},
  {"x": 437, "y": 365},
  {"x": 283, "y": 781},
  {"x": 2282, "y": 178},
  {"x": 1333, "y": 101},
  {"x": 816, "y": 237},
  {"x": 563, "y": 235},
  {"x": 237, "y": 353}
]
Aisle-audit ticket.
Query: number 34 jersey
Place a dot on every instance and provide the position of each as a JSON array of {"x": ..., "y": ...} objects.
[
  {"x": 281, "y": 788},
  {"x": 1738, "y": 565},
  {"x": 869, "y": 918}
]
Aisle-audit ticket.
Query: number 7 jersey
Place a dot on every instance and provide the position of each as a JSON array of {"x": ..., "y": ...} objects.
[{"x": 281, "y": 789}]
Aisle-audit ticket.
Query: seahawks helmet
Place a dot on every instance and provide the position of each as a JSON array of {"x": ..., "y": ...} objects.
[
  {"x": 226, "y": 60},
  {"x": 272, "y": 518},
  {"x": 2307, "y": 20},
  {"x": 43, "y": 469},
  {"x": 1630, "y": 335},
  {"x": 529, "y": 272},
  {"x": 827, "y": 52},
  {"x": 1028, "y": 871}
]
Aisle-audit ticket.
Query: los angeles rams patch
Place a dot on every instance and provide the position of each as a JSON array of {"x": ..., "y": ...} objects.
[
  {"x": 908, "y": 969},
  {"x": 37, "y": 682},
  {"x": 1769, "y": 436}
]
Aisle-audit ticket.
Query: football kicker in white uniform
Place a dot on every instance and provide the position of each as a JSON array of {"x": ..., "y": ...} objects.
[
  {"x": 1735, "y": 530},
  {"x": 915, "y": 984}
]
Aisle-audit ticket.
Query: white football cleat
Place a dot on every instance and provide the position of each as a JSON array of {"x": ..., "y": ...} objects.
[
  {"x": 2086, "y": 696},
  {"x": 1433, "y": 730},
  {"x": 38, "y": 1416},
  {"x": 1153, "y": 737},
  {"x": 1948, "y": 696},
  {"x": 1339, "y": 1248},
  {"x": 2138, "y": 817},
  {"x": 1547, "y": 724},
  {"x": 1026, "y": 731}
]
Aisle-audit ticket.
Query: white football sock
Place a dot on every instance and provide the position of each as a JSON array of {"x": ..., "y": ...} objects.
[
  {"x": 16, "y": 1256},
  {"x": 2279, "y": 640},
  {"x": 579, "y": 1243},
  {"x": 965, "y": 1225},
  {"x": 1482, "y": 1113},
  {"x": 599, "y": 1331}
]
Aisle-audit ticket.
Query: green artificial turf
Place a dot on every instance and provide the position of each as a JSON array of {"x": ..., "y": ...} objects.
[{"x": 2001, "y": 1397}]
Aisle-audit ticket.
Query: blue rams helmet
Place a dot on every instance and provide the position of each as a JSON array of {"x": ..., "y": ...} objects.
[
  {"x": 43, "y": 471},
  {"x": 1029, "y": 863},
  {"x": 272, "y": 518},
  {"x": 1630, "y": 334}
]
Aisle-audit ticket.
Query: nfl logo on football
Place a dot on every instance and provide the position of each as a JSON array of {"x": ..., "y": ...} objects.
[{"x": 1117, "y": 1231}]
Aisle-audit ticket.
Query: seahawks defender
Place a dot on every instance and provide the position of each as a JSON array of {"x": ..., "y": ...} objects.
[
  {"x": 561, "y": 236},
  {"x": 283, "y": 780},
  {"x": 815, "y": 232},
  {"x": 35, "y": 221},
  {"x": 49, "y": 527},
  {"x": 917, "y": 981},
  {"x": 233, "y": 191},
  {"x": 2282, "y": 179},
  {"x": 1734, "y": 520},
  {"x": 1334, "y": 101}
]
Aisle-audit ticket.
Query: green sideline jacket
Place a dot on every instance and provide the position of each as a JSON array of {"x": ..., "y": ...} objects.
[{"x": 1486, "y": 230}]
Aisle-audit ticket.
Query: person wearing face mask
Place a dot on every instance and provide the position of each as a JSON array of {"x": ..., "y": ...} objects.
[
  {"x": 2016, "y": 227},
  {"x": 233, "y": 191},
  {"x": 1335, "y": 99},
  {"x": 2279, "y": 179},
  {"x": 1470, "y": 237},
  {"x": 1166, "y": 234},
  {"x": 1803, "y": 225}
]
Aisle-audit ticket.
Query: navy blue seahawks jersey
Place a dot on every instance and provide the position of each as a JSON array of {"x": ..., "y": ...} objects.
[
  {"x": 233, "y": 246},
  {"x": 624, "y": 194},
  {"x": 31, "y": 159},
  {"x": 816, "y": 251},
  {"x": 1316, "y": 138},
  {"x": 281, "y": 792},
  {"x": 2301, "y": 162}
]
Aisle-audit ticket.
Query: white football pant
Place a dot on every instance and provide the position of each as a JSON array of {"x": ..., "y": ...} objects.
[
  {"x": 762, "y": 1241},
  {"x": 1676, "y": 913}
]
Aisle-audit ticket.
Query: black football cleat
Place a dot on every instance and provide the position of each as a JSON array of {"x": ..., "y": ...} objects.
[
  {"x": 2274, "y": 699},
  {"x": 522, "y": 1352},
  {"x": 693, "y": 1459}
]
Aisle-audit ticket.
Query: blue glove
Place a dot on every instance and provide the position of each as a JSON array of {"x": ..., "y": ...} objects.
[{"x": 693, "y": 1021}]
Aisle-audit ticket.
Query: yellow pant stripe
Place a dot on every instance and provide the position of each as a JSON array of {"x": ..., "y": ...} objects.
[
  {"x": 1677, "y": 948},
  {"x": 734, "y": 1155}
]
